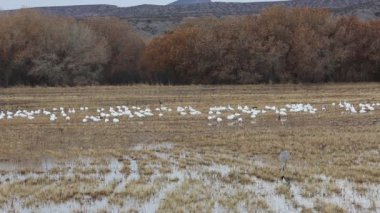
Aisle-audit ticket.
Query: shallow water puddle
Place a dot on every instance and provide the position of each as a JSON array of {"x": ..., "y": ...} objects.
[
  {"x": 44, "y": 165},
  {"x": 349, "y": 198}
]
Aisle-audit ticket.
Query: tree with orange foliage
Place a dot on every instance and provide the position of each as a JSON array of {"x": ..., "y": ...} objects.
[
  {"x": 357, "y": 50},
  {"x": 18, "y": 33},
  {"x": 304, "y": 33},
  {"x": 40, "y": 49},
  {"x": 166, "y": 58},
  {"x": 279, "y": 45},
  {"x": 126, "y": 49}
]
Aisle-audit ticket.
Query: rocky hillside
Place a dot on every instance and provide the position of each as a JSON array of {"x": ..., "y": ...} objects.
[
  {"x": 196, "y": 8},
  {"x": 368, "y": 10},
  {"x": 185, "y": 2},
  {"x": 152, "y": 20}
]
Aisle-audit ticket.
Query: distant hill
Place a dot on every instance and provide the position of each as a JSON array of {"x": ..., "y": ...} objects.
[
  {"x": 368, "y": 10},
  {"x": 153, "y": 20},
  {"x": 185, "y": 2},
  {"x": 196, "y": 8}
]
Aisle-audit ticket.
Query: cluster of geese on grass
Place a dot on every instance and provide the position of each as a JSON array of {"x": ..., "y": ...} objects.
[
  {"x": 216, "y": 114},
  {"x": 233, "y": 115}
]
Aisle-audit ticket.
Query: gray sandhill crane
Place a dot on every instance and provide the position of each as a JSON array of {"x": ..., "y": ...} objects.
[{"x": 284, "y": 158}]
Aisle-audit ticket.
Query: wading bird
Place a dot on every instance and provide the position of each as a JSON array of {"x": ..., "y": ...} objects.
[{"x": 283, "y": 157}]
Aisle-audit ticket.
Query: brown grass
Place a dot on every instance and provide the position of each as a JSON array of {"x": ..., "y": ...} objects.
[
  {"x": 285, "y": 191},
  {"x": 330, "y": 208}
]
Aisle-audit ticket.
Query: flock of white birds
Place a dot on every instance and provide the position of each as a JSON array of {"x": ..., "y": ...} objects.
[{"x": 216, "y": 114}]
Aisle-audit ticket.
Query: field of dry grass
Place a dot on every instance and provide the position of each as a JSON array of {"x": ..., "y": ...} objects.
[{"x": 178, "y": 163}]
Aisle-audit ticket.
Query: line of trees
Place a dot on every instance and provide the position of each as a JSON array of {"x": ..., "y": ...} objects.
[
  {"x": 279, "y": 45},
  {"x": 37, "y": 49}
]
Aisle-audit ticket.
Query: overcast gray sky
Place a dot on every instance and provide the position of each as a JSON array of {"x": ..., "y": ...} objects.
[{"x": 15, "y": 4}]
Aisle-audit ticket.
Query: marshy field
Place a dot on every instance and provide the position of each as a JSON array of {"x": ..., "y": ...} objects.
[{"x": 190, "y": 148}]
